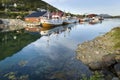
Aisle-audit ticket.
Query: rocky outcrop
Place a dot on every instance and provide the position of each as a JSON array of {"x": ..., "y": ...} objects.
[
  {"x": 102, "y": 53},
  {"x": 1, "y": 22},
  {"x": 1, "y": 25},
  {"x": 117, "y": 69},
  {"x": 12, "y": 24}
]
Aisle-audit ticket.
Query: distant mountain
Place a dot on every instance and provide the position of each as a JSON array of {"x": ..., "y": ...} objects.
[{"x": 25, "y": 5}]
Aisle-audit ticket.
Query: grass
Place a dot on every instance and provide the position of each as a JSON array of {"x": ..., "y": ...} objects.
[{"x": 116, "y": 37}]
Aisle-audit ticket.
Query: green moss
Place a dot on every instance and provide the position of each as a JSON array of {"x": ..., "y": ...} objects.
[
  {"x": 116, "y": 37},
  {"x": 95, "y": 76}
]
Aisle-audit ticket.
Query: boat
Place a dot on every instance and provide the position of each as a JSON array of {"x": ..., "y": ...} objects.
[
  {"x": 51, "y": 22},
  {"x": 54, "y": 20},
  {"x": 54, "y": 30},
  {"x": 86, "y": 19},
  {"x": 69, "y": 20}
]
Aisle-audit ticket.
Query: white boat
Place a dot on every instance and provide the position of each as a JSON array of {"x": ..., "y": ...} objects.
[
  {"x": 69, "y": 19},
  {"x": 86, "y": 19},
  {"x": 51, "y": 22}
]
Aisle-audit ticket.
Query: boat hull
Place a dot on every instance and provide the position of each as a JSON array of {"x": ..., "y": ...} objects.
[
  {"x": 65, "y": 23},
  {"x": 48, "y": 25}
]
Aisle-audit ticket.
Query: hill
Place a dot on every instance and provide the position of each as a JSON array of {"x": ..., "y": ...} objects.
[
  {"x": 14, "y": 8},
  {"x": 25, "y": 5}
]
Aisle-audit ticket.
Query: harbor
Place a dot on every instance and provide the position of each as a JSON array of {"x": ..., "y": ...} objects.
[
  {"x": 53, "y": 50},
  {"x": 59, "y": 40}
]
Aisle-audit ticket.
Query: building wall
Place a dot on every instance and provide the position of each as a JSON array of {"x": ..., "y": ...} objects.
[{"x": 34, "y": 19}]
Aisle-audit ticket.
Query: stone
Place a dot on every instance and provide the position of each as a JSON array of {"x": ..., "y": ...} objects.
[
  {"x": 117, "y": 58},
  {"x": 115, "y": 78},
  {"x": 117, "y": 69},
  {"x": 95, "y": 65},
  {"x": 108, "y": 60},
  {"x": 1, "y": 22},
  {"x": 108, "y": 75}
]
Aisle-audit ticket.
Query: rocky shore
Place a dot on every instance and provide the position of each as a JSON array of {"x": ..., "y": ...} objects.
[
  {"x": 11, "y": 24},
  {"x": 14, "y": 24},
  {"x": 102, "y": 54}
]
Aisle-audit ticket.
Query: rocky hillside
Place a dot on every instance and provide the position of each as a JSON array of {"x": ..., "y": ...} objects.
[{"x": 102, "y": 53}]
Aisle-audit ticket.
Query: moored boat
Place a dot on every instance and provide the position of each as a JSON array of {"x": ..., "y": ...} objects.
[
  {"x": 69, "y": 20},
  {"x": 51, "y": 21}
]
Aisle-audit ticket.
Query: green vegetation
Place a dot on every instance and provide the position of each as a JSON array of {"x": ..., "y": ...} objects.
[
  {"x": 95, "y": 76},
  {"x": 25, "y": 5},
  {"x": 116, "y": 37},
  {"x": 13, "y": 14},
  {"x": 12, "y": 42},
  {"x": 14, "y": 8}
]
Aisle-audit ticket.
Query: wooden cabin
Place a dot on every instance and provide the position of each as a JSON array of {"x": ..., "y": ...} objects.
[{"x": 35, "y": 16}]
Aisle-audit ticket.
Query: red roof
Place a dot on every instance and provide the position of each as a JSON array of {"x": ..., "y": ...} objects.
[{"x": 57, "y": 13}]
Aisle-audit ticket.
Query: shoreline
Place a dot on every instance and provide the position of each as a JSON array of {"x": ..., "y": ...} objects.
[{"x": 101, "y": 54}]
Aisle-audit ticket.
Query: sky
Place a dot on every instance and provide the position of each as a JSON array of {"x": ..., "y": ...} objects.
[{"x": 111, "y": 7}]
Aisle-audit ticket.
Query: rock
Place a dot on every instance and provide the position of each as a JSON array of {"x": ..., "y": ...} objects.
[
  {"x": 95, "y": 65},
  {"x": 108, "y": 60},
  {"x": 117, "y": 58},
  {"x": 107, "y": 74},
  {"x": 1, "y": 22},
  {"x": 117, "y": 69},
  {"x": 117, "y": 52},
  {"x": 115, "y": 78}
]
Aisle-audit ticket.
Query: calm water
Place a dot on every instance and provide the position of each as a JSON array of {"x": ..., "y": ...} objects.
[{"x": 52, "y": 56}]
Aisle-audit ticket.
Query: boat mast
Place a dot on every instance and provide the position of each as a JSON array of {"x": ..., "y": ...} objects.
[{"x": 48, "y": 12}]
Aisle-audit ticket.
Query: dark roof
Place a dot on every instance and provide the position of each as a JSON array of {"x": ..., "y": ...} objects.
[{"x": 36, "y": 14}]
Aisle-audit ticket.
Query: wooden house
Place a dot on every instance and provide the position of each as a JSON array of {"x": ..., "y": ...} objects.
[{"x": 35, "y": 16}]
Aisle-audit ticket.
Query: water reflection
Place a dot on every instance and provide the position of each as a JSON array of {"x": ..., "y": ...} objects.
[
  {"x": 55, "y": 60},
  {"x": 38, "y": 62},
  {"x": 92, "y": 22},
  {"x": 55, "y": 30},
  {"x": 13, "y": 41}
]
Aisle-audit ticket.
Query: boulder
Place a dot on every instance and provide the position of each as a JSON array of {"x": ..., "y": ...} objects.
[
  {"x": 115, "y": 78},
  {"x": 117, "y": 58},
  {"x": 1, "y": 22},
  {"x": 108, "y": 60},
  {"x": 108, "y": 75},
  {"x": 95, "y": 66},
  {"x": 117, "y": 69}
]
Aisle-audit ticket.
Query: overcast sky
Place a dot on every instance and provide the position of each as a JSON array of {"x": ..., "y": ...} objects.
[{"x": 111, "y": 7}]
